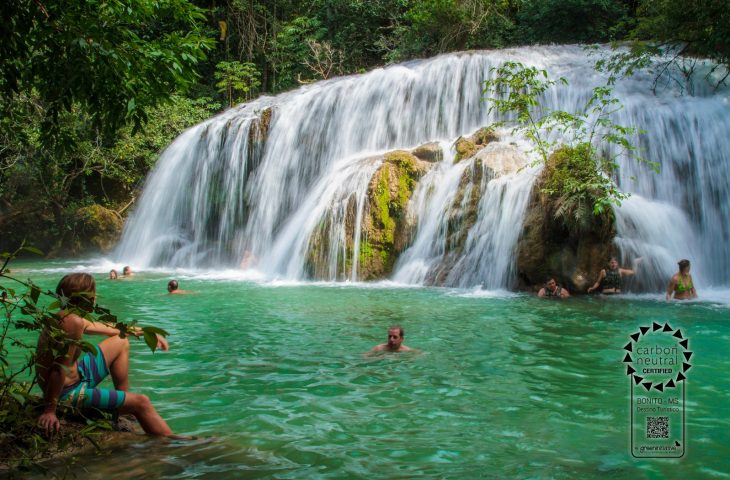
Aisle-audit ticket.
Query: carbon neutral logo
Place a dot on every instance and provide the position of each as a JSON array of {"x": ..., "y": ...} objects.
[{"x": 657, "y": 360}]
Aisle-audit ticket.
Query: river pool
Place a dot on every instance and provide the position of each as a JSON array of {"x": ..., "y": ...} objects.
[{"x": 271, "y": 378}]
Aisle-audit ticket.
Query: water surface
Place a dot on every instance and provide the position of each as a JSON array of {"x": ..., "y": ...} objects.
[{"x": 272, "y": 379}]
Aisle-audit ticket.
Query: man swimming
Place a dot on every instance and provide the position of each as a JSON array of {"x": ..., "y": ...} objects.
[
  {"x": 396, "y": 335},
  {"x": 65, "y": 375},
  {"x": 173, "y": 288}
]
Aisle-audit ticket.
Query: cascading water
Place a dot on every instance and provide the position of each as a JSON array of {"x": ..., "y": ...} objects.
[{"x": 262, "y": 180}]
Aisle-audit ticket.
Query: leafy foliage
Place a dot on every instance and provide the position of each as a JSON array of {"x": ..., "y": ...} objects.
[
  {"x": 571, "y": 21},
  {"x": 698, "y": 28},
  {"x": 44, "y": 188},
  {"x": 27, "y": 311},
  {"x": 578, "y": 165},
  {"x": 112, "y": 59},
  {"x": 239, "y": 81}
]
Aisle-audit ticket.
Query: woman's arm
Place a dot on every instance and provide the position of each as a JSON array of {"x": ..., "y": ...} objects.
[
  {"x": 98, "y": 328},
  {"x": 601, "y": 276},
  {"x": 671, "y": 286},
  {"x": 633, "y": 269}
]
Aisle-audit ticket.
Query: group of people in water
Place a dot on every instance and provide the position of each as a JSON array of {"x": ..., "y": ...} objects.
[
  {"x": 126, "y": 273},
  {"x": 173, "y": 286},
  {"x": 609, "y": 282},
  {"x": 67, "y": 376}
]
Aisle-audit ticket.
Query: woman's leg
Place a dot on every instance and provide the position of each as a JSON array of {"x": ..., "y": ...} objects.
[
  {"x": 116, "y": 355},
  {"x": 141, "y": 407}
]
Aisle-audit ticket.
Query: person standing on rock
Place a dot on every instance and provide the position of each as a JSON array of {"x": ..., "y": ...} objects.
[
  {"x": 610, "y": 279},
  {"x": 65, "y": 375},
  {"x": 552, "y": 290},
  {"x": 681, "y": 285}
]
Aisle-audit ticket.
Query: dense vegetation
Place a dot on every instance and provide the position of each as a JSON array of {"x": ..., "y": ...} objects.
[
  {"x": 82, "y": 82},
  {"x": 92, "y": 91}
]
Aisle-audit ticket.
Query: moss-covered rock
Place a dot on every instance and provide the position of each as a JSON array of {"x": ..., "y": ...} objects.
[
  {"x": 97, "y": 228},
  {"x": 468, "y": 147},
  {"x": 429, "y": 152},
  {"x": 465, "y": 148},
  {"x": 385, "y": 230},
  {"x": 550, "y": 246}
]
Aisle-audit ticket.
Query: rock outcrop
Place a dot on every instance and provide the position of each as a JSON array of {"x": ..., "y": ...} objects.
[
  {"x": 468, "y": 147},
  {"x": 97, "y": 229},
  {"x": 487, "y": 164},
  {"x": 548, "y": 246},
  {"x": 386, "y": 231}
]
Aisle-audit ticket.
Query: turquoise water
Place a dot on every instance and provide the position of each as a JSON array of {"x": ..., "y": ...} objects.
[{"x": 273, "y": 380}]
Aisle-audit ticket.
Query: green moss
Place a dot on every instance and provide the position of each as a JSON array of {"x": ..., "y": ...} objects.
[
  {"x": 464, "y": 149},
  {"x": 383, "y": 200},
  {"x": 366, "y": 252},
  {"x": 580, "y": 186}
]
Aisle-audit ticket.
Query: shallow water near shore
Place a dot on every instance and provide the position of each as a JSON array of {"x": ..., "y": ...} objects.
[{"x": 272, "y": 379}]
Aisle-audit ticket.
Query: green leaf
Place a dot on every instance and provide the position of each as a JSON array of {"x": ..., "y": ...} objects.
[
  {"x": 151, "y": 340},
  {"x": 155, "y": 330},
  {"x": 30, "y": 249}
]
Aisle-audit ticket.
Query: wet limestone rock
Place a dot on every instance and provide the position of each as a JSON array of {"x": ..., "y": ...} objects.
[
  {"x": 386, "y": 231},
  {"x": 495, "y": 160},
  {"x": 468, "y": 147},
  {"x": 97, "y": 228},
  {"x": 429, "y": 152},
  {"x": 549, "y": 247}
]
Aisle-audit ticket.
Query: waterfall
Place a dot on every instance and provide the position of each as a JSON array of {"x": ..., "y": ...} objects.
[{"x": 255, "y": 186}]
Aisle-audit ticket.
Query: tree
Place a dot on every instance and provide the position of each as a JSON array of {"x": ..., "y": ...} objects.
[
  {"x": 114, "y": 60},
  {"x": 71, "y": 75},
  {"x": 239, "y": 81},
  {"x": 571, "y": 21},
  {"x": 580, "y": 171}
]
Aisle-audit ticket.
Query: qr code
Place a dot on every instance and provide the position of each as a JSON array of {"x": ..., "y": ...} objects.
[{"x": 657, "y": 427}]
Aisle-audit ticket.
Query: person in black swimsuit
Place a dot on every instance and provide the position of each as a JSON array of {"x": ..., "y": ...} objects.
[
  {"x": 610, "y": 278},
  {"x": 552, "y": 290}
]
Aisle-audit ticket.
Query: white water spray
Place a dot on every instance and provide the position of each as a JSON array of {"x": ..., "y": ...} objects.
[{"x": 224, "y": 190}]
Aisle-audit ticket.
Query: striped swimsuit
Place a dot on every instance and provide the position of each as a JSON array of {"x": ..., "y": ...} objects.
[{"x": 84, "y": 394}]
